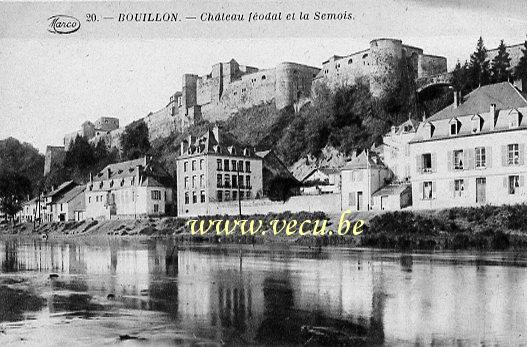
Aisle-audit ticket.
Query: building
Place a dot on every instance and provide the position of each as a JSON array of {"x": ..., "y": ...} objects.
[
  {"x": 393, "y": 197},
  {"x": 396, "y": 149},
  {"x": 131, "y": 189},
  {"x": 274, "y": 168},
  {"x": 364, "y": 175},
  {"x": 322, "y": 180},
  {"x": 104, "y": 128},
  {"x": 50, "y": 214},
  {"x": 472, "y": 152},
  {"x": 71, "y": 206},
  {"x": 383, "y": 64},
  {"x": 30, "y": 210},
  {"x": 54, "y": 156},
  {"x": 212, "y": 169}
]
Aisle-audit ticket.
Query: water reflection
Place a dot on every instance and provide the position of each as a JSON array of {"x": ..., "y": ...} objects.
[{"x": 276, "y": 296}]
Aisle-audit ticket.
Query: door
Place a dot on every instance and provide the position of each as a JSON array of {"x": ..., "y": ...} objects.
[
  {"x": 481, "y": 190},
  {"x": 359, "y": 201}
]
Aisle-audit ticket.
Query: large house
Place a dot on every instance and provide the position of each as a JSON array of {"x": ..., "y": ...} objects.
[
  {"x": 71, "y": 206},
  {"x": 212, "y": 169},
  {"x": 130, "y": 189},
  {"x": 472, "y": 152}
]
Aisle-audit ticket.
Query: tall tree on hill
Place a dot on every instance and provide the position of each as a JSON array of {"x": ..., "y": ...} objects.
[
  {"x": 461, "y": 75},
  {"x": 479, "y": 66},
  {"x": 521, "y": 68},
  {"x": 501, "y": 64},
  {"x": 134, "y": 140},
  {"x": 21, "y": 158},
  {"x": 14, "y": 189}
]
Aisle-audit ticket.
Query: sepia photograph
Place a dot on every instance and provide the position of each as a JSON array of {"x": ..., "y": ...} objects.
[{"x": 263, "y": 173}]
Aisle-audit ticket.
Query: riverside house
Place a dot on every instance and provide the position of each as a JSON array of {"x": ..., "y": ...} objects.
[
  {"x": 212, "y": 169},
  {"x": 130, "y": 189},
  {"x": 472, "y": 152}
]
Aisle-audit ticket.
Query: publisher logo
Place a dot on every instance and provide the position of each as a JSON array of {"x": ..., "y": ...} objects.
[{"x": 62, "y": 24}]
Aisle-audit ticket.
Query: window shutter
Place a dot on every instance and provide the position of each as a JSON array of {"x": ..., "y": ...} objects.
[
  {"x": 434, "y": 162},
  {"x": 488, "y": 156},
  {"x": 471, "y": 158},
  {"x": 450, "y": 160},
  {"x": 466, "y": 158},
  {"x": 504, "y": 155},
  {"x": 421, "y": 187},
  {"x": 505, "y": 182},
  {"x": 522, "y": 153},
  {"x": 352, "y": 199},
  {"x": 434, "y": 189},
  {"x": 418, "y": 163}
]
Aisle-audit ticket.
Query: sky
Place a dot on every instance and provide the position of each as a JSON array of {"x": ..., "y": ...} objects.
[{"x": 50, "y": 85}]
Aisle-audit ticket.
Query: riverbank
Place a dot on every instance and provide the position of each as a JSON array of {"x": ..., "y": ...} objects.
[{"x": 475, "y": 228}]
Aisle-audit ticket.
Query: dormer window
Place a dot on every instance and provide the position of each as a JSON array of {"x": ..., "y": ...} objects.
[
  {"x": 454, "y": 126},
  {"x": 514, "y": 119},
  {"x": 477, "y": 123},
  {"x": 429, "y": 130}
]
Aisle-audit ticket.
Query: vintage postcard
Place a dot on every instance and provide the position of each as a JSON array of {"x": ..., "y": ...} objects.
[{"x": 249, "y": 173}]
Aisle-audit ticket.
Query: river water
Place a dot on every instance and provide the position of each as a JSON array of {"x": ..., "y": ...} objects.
[{"x": 158, "y": 293}]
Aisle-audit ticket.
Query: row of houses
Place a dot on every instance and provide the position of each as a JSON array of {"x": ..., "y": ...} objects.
[{"x": 470, "y": 153}]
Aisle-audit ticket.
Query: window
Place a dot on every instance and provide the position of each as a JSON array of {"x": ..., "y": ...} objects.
[
  {"x": 202, "y": 196},
  {"x": 427, "y": 162},
  {"x": 458, "y": 160},
  {"x": 227, "y": 181},
  {"x": 226, "y": 164},
  {"x": 234, "y": 195},
  {"x": 201, "y": 163},
  {"x": 156, "y": 208},
  {"x": 219, "y": 180},
  {"x": 156, "y": 195},
  {"x": 219, "y": 195},
  {"x": 234, "y": 181},
  {"x": 480, "y": 157},
  {"x": 193, "y": 181},
  {"x": 89, "y": 200},
  {"x": 186, "y": 182},
  {"x": 193, "y": 165},
  {"x": 248, "y": 194},
  {"x": 241, "y": 195},
  {"x": 514, "y": 184},
  {"x": 201, "y": 181},
  {"x": 240, "y": 165},
  {"x": 186, "y": 198},
  {"x": 185, "y": 166},
  {"x": 194, "y": 198},
  {"x": 247, "y": 166},
  {"x": 233, "y": 165},
  {"x": 513, "y": 154},
  {"x": 427, "y": 190},
  {"x": 227, "y": 195},
  {"x": 350, "y": 61},
  {"x": 459, "y": 188},
  {"x": 476, "y": 124},
  {"x": 514, "y": 120},
  {"x": 454, "y": 128},
  {"x": 219, "y": 164},
  {"x": 248, "y": 182}
]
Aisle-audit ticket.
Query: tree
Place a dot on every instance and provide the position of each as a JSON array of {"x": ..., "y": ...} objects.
[
  {"x": 501, "y": 64},
  {"x": 14, "y": 188},
  {"x": 521, "y": 68},
  {"x": 281, "y": 188},
  {"x": 479, "y": 70},
  {"x": 134, "y": 140}
]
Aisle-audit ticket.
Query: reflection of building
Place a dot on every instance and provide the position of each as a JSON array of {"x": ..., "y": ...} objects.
[
  {"x": 473, "y": 152},
  {"x": 129, "y": 189},
  {"x": 212, "y": 170}
]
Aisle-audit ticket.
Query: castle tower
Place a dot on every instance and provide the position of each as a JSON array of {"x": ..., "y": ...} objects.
[
  {"x": 54, "y": 155},
  {"x": 189, "y": 91},
  {"x": 385, "y": 65}
]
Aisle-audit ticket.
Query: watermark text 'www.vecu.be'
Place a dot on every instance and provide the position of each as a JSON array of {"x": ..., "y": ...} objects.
[{"x": 253, "y": 227}]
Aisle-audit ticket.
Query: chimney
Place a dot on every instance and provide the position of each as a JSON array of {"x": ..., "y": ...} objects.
[
  {"x": 456, "y": 98},
  {"x": 493, "y": 110},
  {"x": 183, "y": 147},
  {"x": 216, "y": 132},
  {"x": 91, "y": 177},
  {"x": 393, "y": 129},
  {"x": 139, "y": 174},
  {"x": 109, "y": 171}
]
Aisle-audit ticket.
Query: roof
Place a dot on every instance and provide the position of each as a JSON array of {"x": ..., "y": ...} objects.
[
  {"x": 151, "y": 182},
  {"x": 363, "y": 161},
  {"x": 504, "y": 95},
  {"x": 392, "y": 189},
  {"x": 59, "y": 189},
  {"x": 120, "y": 170},
  {"x": 72, "y": 194}
]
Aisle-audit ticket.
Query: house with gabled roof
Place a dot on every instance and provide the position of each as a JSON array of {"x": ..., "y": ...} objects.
[
  {"x": 473, "y": 151},
  {"x": 130, "y": 189},
  {"x": 71, "y": 206}
]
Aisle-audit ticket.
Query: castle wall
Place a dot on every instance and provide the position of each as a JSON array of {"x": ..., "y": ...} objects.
[
  {"x": 430, "y": 65},
  {"x": 107, "y": 123},
  {"x": 515, "y": 53}
]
